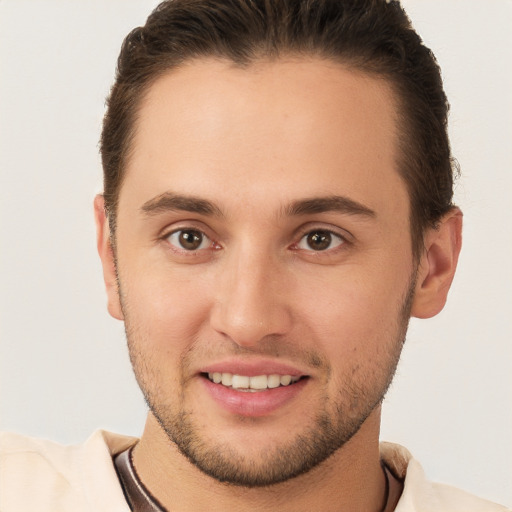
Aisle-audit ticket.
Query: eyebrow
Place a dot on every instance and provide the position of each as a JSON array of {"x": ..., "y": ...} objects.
[
  {"x": 176, "y": 202},
  {"x": 339, "y": 204},
  {"x": 168, "y": 201}
]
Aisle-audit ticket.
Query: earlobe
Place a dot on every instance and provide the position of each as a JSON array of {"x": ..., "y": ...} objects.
[
  {"x": 437, "y": 265},
  {"x": 106, "y": 254}
]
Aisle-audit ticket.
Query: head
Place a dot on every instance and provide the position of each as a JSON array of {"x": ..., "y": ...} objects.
[
  {"x": 371, "y": 36},
  {"x": 278, "y": 191}
]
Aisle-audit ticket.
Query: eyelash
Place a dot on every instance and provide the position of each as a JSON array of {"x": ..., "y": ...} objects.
[
  {"x": 333, "y": 236},
  {"x": 189, "y": 252}
]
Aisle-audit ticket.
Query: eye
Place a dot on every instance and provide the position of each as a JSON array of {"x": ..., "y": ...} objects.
[
  {"x": 189, "y": 240},
  {"x": 320, "y": 240}
]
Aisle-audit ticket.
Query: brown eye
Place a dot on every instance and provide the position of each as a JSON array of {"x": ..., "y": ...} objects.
[
  {"x": 189, "y": 239},
  {"x": 320, "y": 240}
]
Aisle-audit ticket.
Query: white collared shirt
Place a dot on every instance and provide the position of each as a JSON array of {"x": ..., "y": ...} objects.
[{"x": 42, "y": 476}]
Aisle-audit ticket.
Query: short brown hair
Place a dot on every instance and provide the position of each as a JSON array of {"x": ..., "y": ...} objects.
[{"x": 374, "y": 36}]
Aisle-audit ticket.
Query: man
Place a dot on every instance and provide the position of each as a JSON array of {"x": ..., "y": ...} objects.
[{"x": 277, "y": 205}]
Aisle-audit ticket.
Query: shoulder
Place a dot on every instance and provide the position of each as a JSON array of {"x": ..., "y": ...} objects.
[
  {"x": 37, "y": 474},
  {"x": 421, "y": 495}
]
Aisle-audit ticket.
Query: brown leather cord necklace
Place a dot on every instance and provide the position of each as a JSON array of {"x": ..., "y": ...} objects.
[{"x": 141, "y": 500}]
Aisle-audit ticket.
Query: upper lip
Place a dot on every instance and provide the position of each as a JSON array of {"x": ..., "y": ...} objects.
[{"x": 253, "y": 368}]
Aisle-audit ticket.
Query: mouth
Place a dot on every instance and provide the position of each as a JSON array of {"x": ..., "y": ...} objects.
[
  {"x": 253, "y": 388},
  {"x": 254, "y": 384}
]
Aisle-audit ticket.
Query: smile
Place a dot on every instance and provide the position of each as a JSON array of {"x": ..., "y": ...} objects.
[{"x": 256, "y": 383}]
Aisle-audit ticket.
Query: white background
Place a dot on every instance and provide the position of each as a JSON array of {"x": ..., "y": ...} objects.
[{"x": 63, "y": 366}]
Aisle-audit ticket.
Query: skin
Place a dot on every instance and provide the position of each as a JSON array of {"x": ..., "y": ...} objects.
[{"x": 256, "y": 143}]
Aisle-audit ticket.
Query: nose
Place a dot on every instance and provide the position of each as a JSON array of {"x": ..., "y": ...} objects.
[{"x": 250, "y": 302}]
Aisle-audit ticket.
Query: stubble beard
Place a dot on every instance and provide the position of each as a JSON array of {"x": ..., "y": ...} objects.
[{"x": 329, "y": 431}]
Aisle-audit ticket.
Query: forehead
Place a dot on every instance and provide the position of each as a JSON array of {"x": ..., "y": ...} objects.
[{"x": 304, "y": 126}]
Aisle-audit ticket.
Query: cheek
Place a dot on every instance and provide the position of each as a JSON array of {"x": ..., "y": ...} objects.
[
  {"x": 166, "y": 310},
  {"x": 355, "y": 315}
]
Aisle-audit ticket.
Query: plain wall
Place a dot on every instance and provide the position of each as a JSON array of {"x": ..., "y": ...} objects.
[{"x": 63, "y": 365}]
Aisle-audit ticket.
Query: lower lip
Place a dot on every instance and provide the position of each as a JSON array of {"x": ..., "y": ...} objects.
[{"x": 253, "y": 404}]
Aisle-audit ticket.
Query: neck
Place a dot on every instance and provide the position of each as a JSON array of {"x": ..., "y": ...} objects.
[{"x": 351, "y": 479}]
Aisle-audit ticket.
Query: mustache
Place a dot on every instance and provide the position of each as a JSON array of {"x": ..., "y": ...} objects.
[{"x": 271, "y": 347}]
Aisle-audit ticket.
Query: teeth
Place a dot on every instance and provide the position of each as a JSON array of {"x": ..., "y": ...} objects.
[
  {"x": 259, "y": 382},
  {"x": 240, "y": 382},
  {"x": 253, "y": 383},
  {"x": 285, "y": 380},
  {"x": 273, "y": 381},
  {"x": 227, "y": 379}
]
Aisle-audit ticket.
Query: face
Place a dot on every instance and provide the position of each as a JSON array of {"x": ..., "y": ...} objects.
[{"x": 264, "y": 261}]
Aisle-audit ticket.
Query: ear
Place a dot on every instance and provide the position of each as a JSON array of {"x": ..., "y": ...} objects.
[
  {"x": 107, "y": 257},
  {"x": 437, "y": 265}
]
